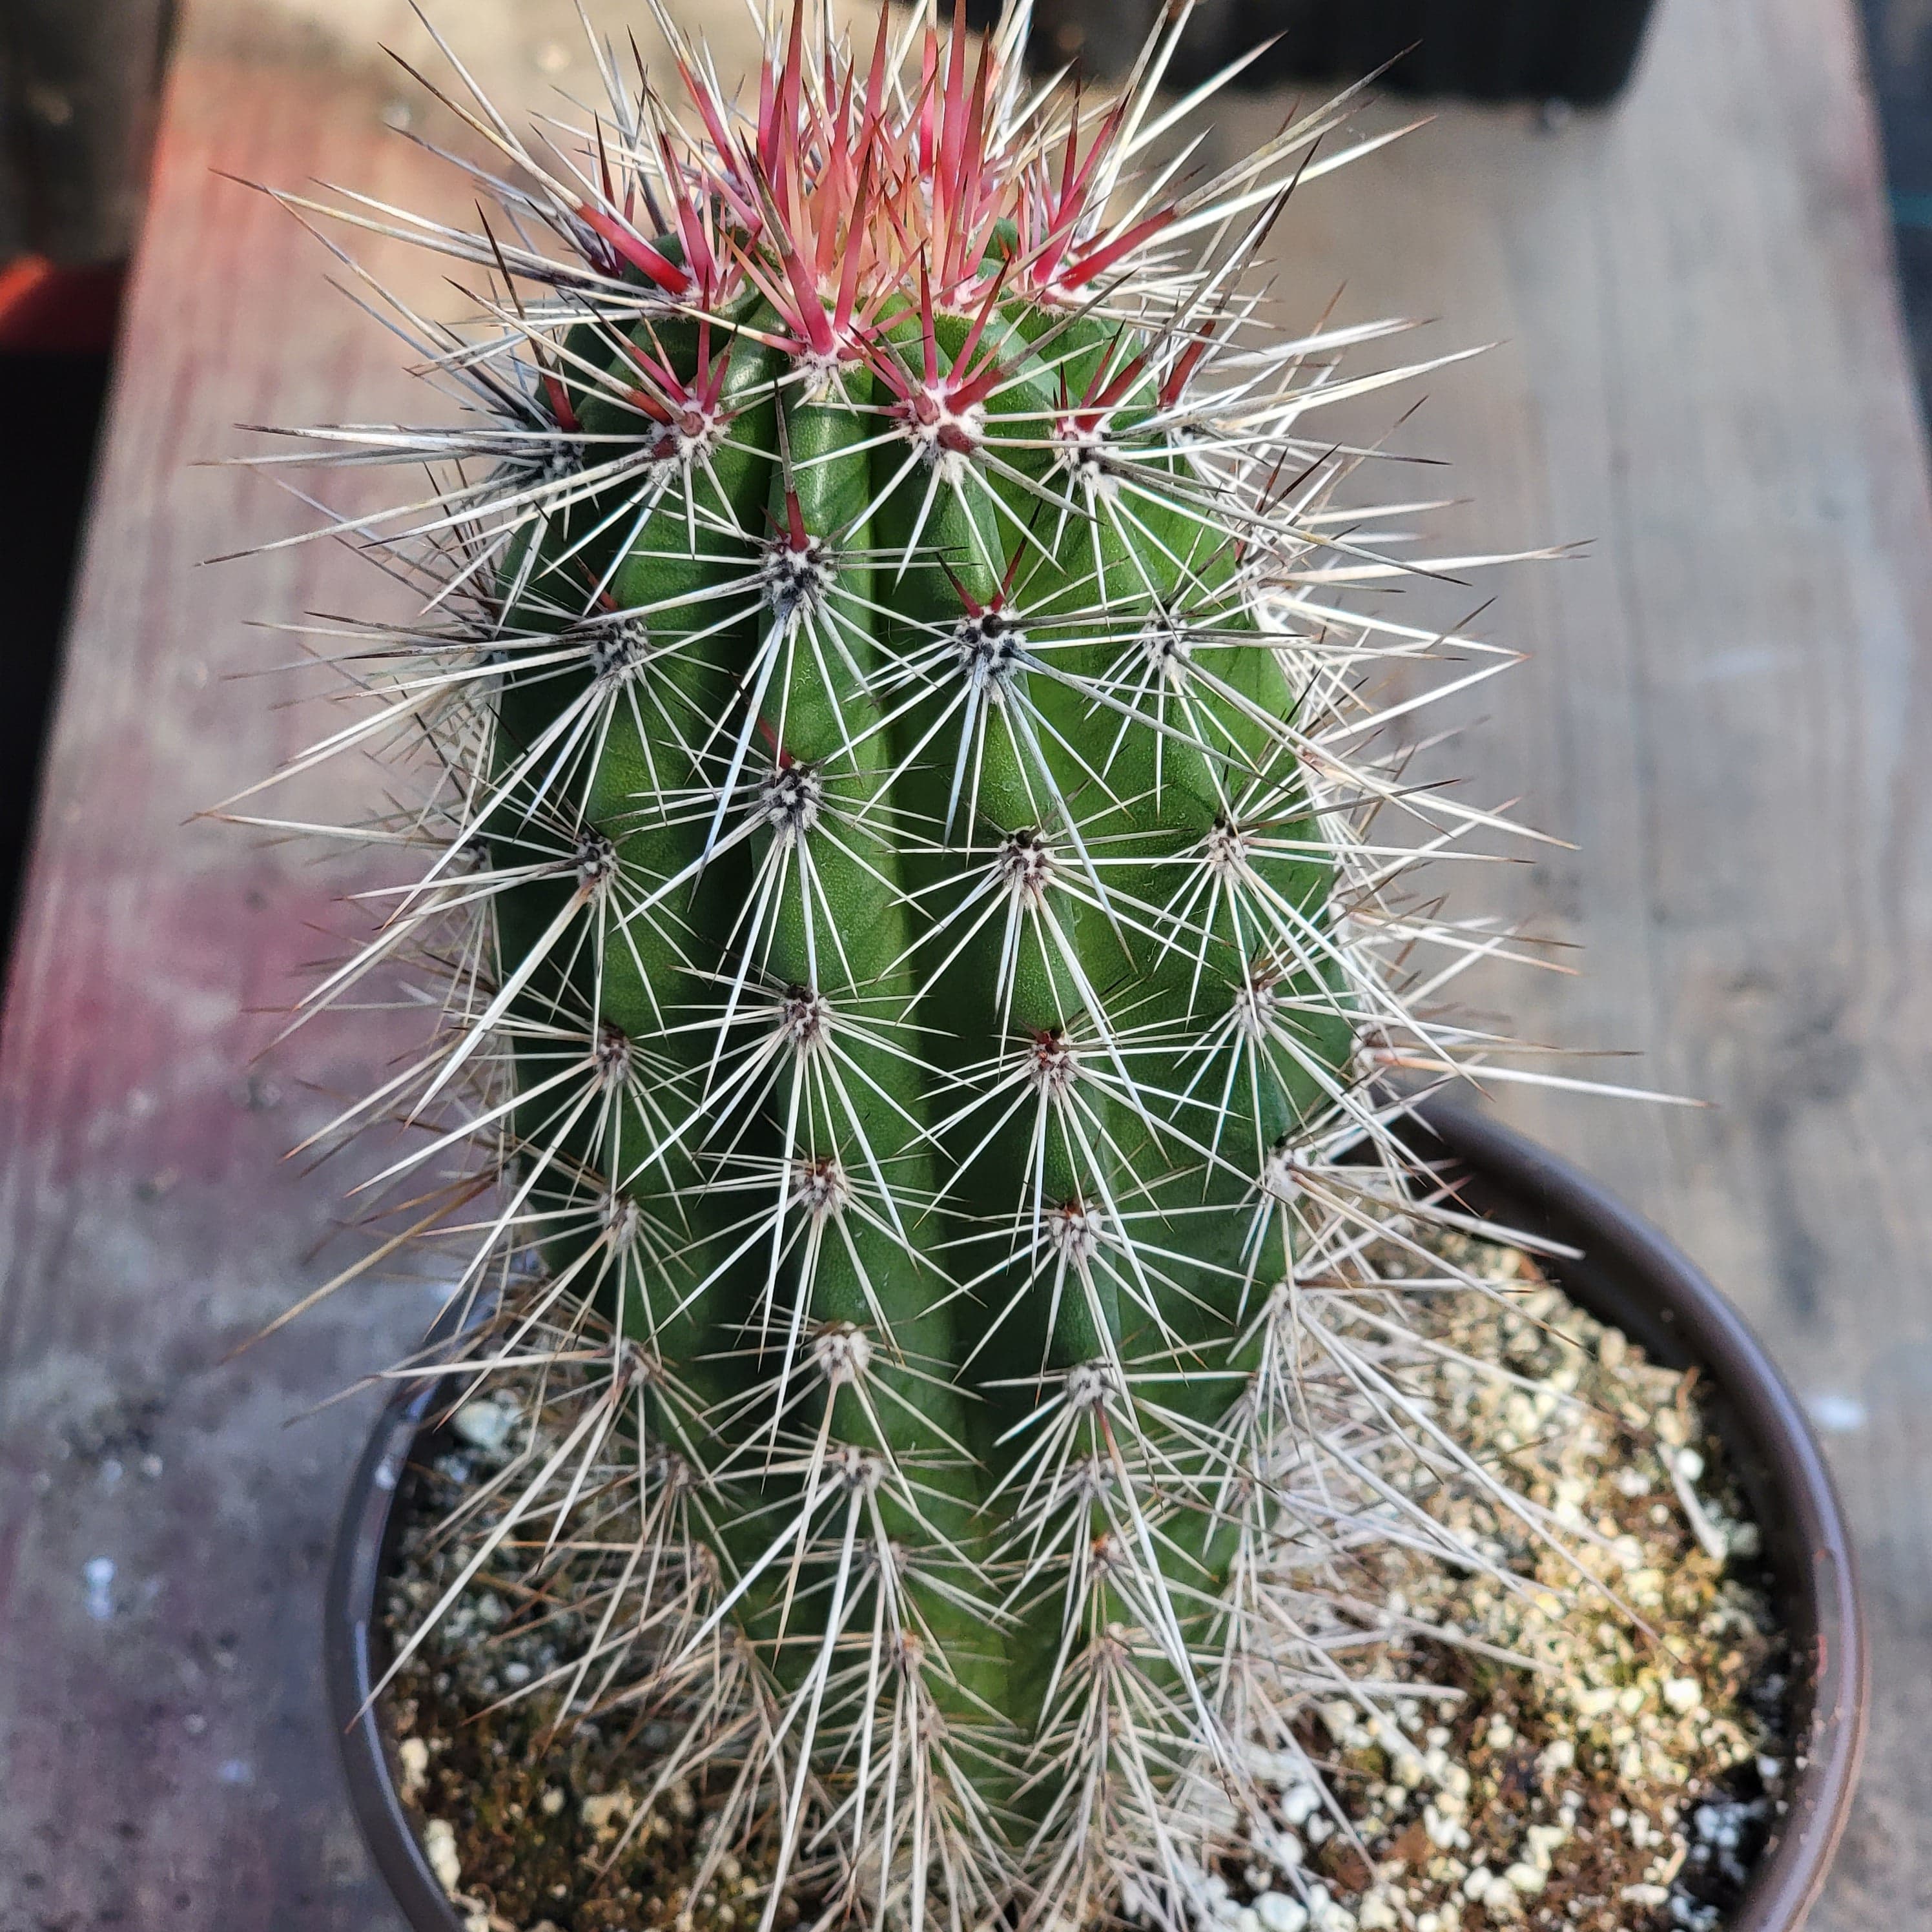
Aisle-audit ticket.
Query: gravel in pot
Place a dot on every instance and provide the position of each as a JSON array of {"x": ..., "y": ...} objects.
[{"x": 1672, "y": 1753}]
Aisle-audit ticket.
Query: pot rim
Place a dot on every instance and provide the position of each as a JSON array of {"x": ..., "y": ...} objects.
[
  {"x": 349, "y": 1608},
  {"x": 1629, "y": 1274}
]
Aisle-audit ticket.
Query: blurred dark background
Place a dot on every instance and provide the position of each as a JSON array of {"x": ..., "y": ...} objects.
[
  {"x": 1898, "y": 39},
  {"x": 1580, "y": 51},
  {"x": 79, "y": 94}
]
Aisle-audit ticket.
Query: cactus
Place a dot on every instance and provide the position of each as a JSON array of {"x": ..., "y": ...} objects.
[{"x": 914, "y": 970}]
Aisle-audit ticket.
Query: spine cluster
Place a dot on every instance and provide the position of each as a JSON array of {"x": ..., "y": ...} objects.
[{"x": 891, "y": 855}]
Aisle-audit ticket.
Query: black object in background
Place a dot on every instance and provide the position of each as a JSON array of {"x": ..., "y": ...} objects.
[
  {"x": 55, "y": 407},
  {"x": 1578, "y": 51},
  {"x": 1898, "y": 37},
  {"x": 79, "y": 88}
]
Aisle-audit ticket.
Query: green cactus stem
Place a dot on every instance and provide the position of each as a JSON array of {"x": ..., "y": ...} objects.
[{"x": 912, "y": 965}]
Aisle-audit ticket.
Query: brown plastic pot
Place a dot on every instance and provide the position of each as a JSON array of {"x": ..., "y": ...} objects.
[{"x": 1628, "y": 1275}]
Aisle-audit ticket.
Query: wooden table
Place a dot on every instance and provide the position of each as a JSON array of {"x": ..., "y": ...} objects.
[{"x": 1729, "y": 709}]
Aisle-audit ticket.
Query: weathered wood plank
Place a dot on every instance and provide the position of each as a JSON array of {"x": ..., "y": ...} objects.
[
  {"x": 162, "y": 1723},
  {"x": 166, "y": 1753},
  {"x": 1701, "y": 370}
]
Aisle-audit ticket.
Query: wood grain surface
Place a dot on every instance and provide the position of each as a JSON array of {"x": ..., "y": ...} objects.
[{"x": 1727, "y": 709}]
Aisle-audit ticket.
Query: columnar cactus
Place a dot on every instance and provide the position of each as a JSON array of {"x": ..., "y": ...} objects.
[{"x": 912, "y": 970}]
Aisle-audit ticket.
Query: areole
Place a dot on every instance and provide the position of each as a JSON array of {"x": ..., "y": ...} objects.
[{"x": 1628, "y": 1274}]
